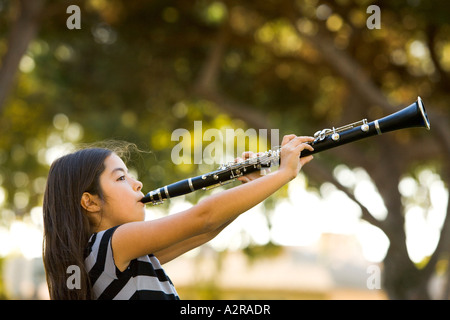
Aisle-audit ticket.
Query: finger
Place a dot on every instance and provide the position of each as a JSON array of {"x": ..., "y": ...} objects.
[
  {"x": 248, "y": 154},
  {"x": 287, "y": 138},
  {"x": 299, "y": 144},
  {"x": 304, "y": 146},
  {"x": 243, "y": 179},
  {"x": 305, "y": 160},
  {"x": 299, "y": 140},
  {"x": 306, "y": 139}
]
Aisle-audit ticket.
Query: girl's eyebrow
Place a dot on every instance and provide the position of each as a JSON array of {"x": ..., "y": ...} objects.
[{"x": 119, "y": 169}]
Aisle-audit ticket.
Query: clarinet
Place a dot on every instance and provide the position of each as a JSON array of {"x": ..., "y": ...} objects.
[{"x": 412, "y": 116}]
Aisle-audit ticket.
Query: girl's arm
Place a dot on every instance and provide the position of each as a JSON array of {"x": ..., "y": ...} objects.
[
  {"x": 187, "y": 229},
  {"x": 172, "y": 252},
  {"x": 167, "y": 254}
]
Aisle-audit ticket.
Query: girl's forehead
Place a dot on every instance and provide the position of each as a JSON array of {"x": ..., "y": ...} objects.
[{"x": 114, "y": 161}]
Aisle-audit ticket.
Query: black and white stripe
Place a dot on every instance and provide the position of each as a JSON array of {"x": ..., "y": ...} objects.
[{"x": 143, "y": 279}]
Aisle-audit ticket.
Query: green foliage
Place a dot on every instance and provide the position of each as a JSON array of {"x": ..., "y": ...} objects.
[{"x": 129, "y": 73}]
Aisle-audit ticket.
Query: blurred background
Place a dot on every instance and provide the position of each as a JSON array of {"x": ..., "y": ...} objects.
[{"x": 368, "y": 220}]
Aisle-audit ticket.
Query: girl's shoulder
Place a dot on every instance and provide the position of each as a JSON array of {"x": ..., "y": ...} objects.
[
  {"x": 100, "y": 240},
  {"x": 99, "y": 255}
]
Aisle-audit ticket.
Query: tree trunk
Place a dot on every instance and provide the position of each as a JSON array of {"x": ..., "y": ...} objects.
[
  {"x": 22, "y": 33},
  {"x": 402, "y": 279}
]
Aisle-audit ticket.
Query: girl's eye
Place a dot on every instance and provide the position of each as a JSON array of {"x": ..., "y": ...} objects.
[{"x": 121, "y": 178}]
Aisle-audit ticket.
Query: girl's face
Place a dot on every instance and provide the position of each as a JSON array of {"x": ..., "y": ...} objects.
[{"x": 121, "y": 193}]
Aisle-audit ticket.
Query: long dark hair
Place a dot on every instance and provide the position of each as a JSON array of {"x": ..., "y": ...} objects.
[{"x": 66, "y": 227}]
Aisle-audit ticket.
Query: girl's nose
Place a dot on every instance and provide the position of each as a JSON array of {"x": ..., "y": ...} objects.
[{"x": 138, "y": 185}]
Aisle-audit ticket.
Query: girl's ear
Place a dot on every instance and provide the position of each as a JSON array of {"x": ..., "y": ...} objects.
[{"x": 90, "y": 202}]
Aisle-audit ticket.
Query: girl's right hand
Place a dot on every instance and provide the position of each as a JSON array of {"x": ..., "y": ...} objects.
[{"x": 291, "y": 148}]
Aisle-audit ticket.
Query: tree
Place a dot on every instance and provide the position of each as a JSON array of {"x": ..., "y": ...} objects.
[
  {"x": 336, "y": 41},
  {"x": 22, "y": 32}
]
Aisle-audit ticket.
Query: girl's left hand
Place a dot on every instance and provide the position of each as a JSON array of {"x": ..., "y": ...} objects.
[{"x": 254, "y": 175}]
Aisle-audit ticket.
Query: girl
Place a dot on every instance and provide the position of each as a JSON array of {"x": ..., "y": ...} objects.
[{"x": 94, "y": 224}]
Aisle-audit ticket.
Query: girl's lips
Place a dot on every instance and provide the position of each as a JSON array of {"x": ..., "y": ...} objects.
[{"x": 142, "y": 198}]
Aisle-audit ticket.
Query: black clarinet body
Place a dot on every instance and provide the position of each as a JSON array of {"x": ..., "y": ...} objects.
[
  {"x": 412, "y": 116},
  {"x": 225, "y": 174}
]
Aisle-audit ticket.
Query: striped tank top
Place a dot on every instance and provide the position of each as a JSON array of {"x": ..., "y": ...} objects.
[{"x": 144, "y": 278}]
